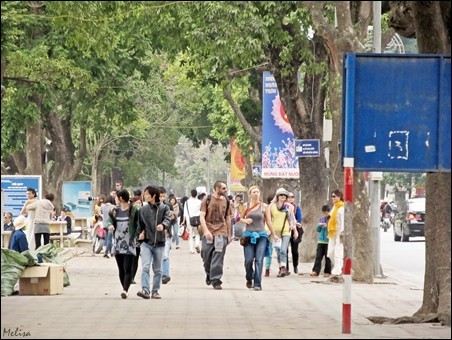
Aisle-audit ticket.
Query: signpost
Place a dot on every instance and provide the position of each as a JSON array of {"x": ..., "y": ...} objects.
[{"x": 396, "y": 118}]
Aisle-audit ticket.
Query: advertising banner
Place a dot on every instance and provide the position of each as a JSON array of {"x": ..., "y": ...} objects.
[
  {"x": 238, "y": 171},
  {"x": 14, "y": 190},
  {"x": 278, "y": 141},
  {"x": 76, "y": 198}
]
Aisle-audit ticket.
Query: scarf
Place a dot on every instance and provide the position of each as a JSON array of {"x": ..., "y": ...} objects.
[{"x": 332, "y": 221}]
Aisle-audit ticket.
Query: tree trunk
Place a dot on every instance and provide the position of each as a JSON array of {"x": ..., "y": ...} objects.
[{"x": 431, "y": 20}]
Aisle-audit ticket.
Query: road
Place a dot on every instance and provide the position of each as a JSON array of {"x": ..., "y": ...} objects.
[{"x": 407, "y": 258}]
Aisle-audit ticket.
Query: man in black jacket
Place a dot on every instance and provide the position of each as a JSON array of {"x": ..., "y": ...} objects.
[{"x": 153, "y": 220}]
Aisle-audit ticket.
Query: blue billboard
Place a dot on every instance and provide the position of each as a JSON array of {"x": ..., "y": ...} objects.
[
  {"x": 396, "y": 112},
  {"x": 14, "y": 189},
  {"x": 77, "y": 198}
]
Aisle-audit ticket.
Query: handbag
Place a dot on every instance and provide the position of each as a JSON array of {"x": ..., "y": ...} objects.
[
  {"x": 195, "y": 221},
  {"x": 244, "y": 240},
  {"x": 185, "y": 234}
]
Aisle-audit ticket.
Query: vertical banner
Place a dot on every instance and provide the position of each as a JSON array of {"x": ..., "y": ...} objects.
[
  {"x": 278, "y": 141},
  {"x": 238, "y": 171},
  {"x": 76, "y": 197}
]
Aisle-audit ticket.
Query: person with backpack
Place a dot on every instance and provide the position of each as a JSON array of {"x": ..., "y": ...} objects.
[{"x": 215, "y": 216}]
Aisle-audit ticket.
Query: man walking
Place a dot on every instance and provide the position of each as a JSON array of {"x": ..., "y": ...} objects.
[
  {"x": 215, "y": 216},
  {"x": 154, "y": 220}
]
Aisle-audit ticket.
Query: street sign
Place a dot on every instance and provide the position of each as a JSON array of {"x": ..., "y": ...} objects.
[{"x": 307, "y": 147}]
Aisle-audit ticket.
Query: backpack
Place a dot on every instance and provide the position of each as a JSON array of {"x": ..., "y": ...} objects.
[{"x": 227, "y": 205}]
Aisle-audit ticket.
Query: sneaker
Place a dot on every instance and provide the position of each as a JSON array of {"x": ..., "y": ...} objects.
[
  {"x": 106, "y": 256},
  {"x": 217, "y": 286},
  {"x": 156, "y": 295},
  {"x": 177, "y": 247},
  {"x": 249, "y": 283},
  {"x": 144, "y": 294},
  {"x": 282, "y": 272},
  {"x": 257, "y": 288},
  {"x": 295, "y": 270},
  {"x": 133, "y": 282},
  {"x": 208, "y": 282},
  {"x": 326, "y": 275},
  {"x": 166, "y": 279},
  {"x": 267, "y": 272},
  {"x": 124, "y": 295},
  {"x": 198, "y": 250},
  {"x": 313, "y": 274}
]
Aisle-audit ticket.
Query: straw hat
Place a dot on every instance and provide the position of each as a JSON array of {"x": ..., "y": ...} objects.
[{"x": 20, "y": 222}]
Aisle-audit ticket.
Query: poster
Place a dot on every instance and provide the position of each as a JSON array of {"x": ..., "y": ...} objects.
[
  {"x": 278, "y": 141},
  {"x": 14, "y": 191},
  {"x": 76, "y": 198}
]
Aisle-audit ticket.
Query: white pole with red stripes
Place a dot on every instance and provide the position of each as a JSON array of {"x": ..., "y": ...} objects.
[{"x": 347, "y": 267}]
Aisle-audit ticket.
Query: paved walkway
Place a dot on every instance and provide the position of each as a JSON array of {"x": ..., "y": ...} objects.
[{"x": 297, "y": 306}]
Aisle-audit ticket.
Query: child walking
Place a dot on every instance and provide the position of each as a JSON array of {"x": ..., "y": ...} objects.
[{"x": 322, "y": 245}]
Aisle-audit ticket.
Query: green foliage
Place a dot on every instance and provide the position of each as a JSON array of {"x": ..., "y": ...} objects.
[{"x": 403, "y": 180}]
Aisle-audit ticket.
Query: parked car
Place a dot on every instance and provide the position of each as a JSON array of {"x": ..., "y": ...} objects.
[{"x": 410, "y": 219}]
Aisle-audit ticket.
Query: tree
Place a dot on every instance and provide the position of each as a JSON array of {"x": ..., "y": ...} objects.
[{"x": 430, "y": 23}]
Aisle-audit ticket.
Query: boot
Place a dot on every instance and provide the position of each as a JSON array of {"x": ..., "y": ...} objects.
[{"x": 267, "y": 272}]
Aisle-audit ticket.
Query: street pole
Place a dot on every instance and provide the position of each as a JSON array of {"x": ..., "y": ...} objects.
[{"x": 375, "y": 177}]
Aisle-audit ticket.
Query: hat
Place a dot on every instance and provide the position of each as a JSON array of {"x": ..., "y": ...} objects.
[
  {"x": 282, "y": 191},
  {"x": 20, "y": 222}
]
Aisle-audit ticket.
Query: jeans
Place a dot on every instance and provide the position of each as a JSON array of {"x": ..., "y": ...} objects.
[
  {"x": 166, "y": 261},
  {"x": 175, "y": 227},
  {"x": 193, "y": 239},
  {"x": 254, "y": 256},
  {"x": 281, "y": 253},
  {"x": 151, "y": 255},
  {"x": 108, "y": 241}
]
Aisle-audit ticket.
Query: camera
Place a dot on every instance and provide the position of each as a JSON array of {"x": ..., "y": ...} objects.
[{"x": 92, "y": 198}]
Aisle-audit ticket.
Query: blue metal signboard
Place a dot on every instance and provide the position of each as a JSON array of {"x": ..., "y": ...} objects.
[
  {"x": 307, "y": 147},
  {"x": 15, "y": 191},
  {"x": 397, "y": 112}
]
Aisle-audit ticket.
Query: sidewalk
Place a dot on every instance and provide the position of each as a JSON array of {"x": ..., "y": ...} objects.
[{"x": 297, "y": 306}]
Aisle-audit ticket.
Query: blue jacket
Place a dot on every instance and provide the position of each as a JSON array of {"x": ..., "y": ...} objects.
[
  {"x": 323, "y": 230},
  {"x": 18, "y": 241}
]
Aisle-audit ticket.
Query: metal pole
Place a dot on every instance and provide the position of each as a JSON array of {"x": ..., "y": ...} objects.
[
  {"x": 347, "y": 269},
  {"x": 375, "y": 177},
  {"x": 374, "y": 184}
]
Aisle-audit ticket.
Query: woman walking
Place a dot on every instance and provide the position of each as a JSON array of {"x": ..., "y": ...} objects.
[
  {"x": 281, "y": 215},
  {"x": 257, "y": 238},
  {"x": 122, "y": 223}
]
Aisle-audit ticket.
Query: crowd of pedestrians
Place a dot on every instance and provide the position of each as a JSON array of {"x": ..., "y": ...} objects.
[{"x": 142, "y": 226}]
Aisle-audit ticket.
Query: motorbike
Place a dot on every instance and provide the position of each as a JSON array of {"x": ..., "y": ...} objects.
[{"x": 387, "y": 221}]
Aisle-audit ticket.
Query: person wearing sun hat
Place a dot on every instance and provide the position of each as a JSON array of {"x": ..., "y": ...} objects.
[
  {"x": 18, "y": 240},
  {"x": 282, "y": 217}
]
